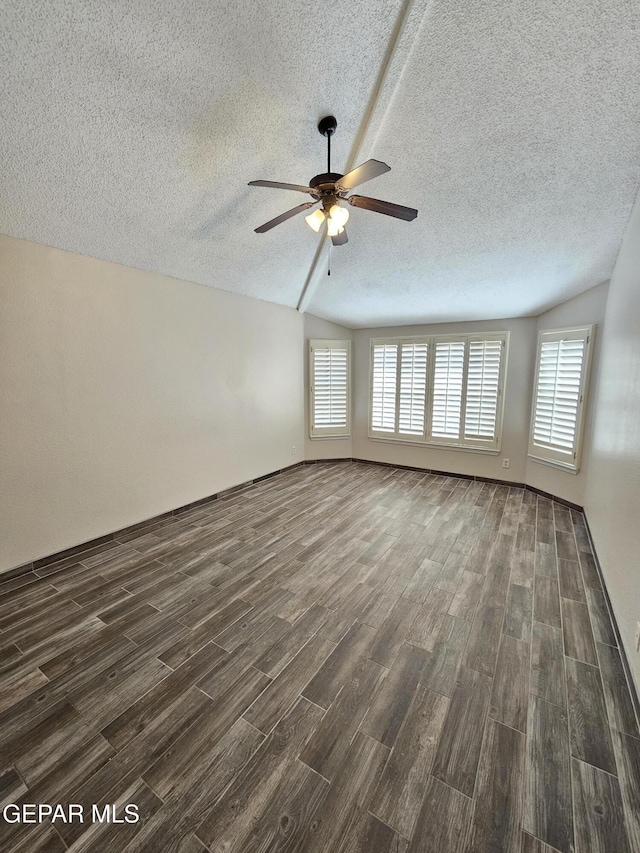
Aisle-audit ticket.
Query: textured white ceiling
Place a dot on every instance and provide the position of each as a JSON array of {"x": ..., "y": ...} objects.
[{"x": 129, "y": 132}]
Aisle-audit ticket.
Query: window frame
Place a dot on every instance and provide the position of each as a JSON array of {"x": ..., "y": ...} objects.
[
  {"x": 539, "y": 453},
  {"x": 328, "y": 432},
  {"x": 427, "y": 439}
]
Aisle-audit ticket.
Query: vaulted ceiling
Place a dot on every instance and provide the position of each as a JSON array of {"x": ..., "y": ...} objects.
[{"x": 130, "y": 130}]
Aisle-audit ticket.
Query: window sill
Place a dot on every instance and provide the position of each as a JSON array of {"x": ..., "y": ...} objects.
[
  {"x": 489, "y": 451},
  {"x": 553, "y": 463},
  {"x": 329, "y": 437}
]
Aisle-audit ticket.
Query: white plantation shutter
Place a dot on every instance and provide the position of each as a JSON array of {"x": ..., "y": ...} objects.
[
  {"x": 448, "y": 376},
  {"x": 329, "y": 363},
  {"x": 559, "y": 378},
  {"x": 413, "y": 388},
  {"x": 483, "y": 389},
  {"x": 330, "y": 387},
  {"x": 439, "y": 390},
  {"x": 383, "y": 387},
  {"x": 560, "y": 387}
]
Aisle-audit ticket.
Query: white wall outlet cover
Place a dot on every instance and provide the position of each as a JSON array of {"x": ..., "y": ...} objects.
[{"x": 506, "y": 463}]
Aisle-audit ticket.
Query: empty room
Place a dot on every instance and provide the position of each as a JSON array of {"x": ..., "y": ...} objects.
[{"x": 319, "y": 426}]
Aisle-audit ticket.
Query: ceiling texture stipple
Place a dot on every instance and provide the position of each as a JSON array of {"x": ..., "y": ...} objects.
[{"x": 129, "y": 132}]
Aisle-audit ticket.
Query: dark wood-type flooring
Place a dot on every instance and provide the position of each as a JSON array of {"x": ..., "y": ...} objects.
[{"x": 342, "y": 659}]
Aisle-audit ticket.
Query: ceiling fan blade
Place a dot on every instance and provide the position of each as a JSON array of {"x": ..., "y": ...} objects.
[
  {"x": 284, "y": 216},
  {"x": 386, "y": 207},
  {"x": 365, "y": 172},
  {"x": 340, "y": 239},
  {"x": 279, "y": 186}
]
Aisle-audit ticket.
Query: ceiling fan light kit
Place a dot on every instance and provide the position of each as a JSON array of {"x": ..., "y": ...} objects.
[{"x": 330, "y": 188}]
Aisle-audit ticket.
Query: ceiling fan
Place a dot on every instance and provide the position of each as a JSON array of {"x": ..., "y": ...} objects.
[{"x": 330, "y": 188}]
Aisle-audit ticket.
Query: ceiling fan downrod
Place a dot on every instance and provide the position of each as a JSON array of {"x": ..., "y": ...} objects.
[{"x": 327, "y": 127}]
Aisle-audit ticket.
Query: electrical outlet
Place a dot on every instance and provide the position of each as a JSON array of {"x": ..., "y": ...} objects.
[
  {"x": 638, "y": 636},
  {"x": 293, "y": 450},
  {"x": 506, "y": 463}
]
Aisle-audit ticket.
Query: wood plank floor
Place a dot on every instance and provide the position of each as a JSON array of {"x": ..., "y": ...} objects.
[{"x": 342, "y": 658}]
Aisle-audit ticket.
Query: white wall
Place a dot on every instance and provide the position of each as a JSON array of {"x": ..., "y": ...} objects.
[
  {"x": 323, "y": 448},
  {"x": 125, "y": 394},
  {"x": 583, "y": 310},
  {"x": 516, "y": 410},
  {"x": 612, "y": 499}
]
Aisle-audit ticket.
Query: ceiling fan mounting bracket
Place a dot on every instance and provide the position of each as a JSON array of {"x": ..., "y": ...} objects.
[{"x": 327, "y": 125}]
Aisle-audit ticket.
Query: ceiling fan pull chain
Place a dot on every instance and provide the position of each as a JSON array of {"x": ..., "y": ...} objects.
[{"x": 329, "y": 261}]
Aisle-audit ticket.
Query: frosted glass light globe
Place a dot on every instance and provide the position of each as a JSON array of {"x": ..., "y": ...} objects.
[
  {"x": 339, "y": 215},
  {"x": 314, "y": 220}
]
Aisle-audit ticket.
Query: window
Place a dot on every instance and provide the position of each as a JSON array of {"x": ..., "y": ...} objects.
[
  {"x": 413, "y": 388},
  {"x": 559, "y": 396},
  {"x": 330, "y": 371},
  {"x": 383, "y": 400},
  {"x": 448, "y": 374},
  {"x": 439, "y": 390},
  {"x": 483, "y": 389}
]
